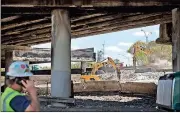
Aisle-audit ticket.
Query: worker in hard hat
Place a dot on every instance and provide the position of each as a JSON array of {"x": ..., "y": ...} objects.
[{"x": 18, "y": 82}]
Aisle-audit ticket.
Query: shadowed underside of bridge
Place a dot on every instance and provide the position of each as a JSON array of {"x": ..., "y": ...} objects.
[{"x": 28, "y": 22}]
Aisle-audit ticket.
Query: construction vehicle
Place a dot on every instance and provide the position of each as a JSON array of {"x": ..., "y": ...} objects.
[{"x": 91, "y": 76}]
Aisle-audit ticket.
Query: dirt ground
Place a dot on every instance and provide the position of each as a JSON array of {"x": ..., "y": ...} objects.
[{"x": 109, "y": 101}]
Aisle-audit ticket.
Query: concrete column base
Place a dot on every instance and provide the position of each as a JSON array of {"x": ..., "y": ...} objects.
[{"x": 62, "y": 87}]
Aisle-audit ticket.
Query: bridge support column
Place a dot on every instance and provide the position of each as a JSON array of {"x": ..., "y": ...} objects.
[
  {"x": 176, "y": 39},
  {"x": 61, "y": 54}
]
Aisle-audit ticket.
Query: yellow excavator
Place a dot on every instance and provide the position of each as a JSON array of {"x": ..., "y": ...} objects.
[{"x": 92, "y": 75}]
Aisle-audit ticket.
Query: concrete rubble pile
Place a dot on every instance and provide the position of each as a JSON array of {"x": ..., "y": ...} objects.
[
  {"x": 129, "y": 75},
  {"x": 108, "y": 76}
]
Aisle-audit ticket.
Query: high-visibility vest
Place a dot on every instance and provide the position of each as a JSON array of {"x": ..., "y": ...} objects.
[{"x": 6, "y": 98}]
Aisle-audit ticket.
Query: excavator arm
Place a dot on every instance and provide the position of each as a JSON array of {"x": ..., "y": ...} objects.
[
  {"x": 96, "y": 67},
  {"x": 99, "y": 65},
  {"x": 110, "y": 61}
]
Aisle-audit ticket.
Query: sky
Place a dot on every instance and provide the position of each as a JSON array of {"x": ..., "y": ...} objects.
[{"x": 116, "y": 43}]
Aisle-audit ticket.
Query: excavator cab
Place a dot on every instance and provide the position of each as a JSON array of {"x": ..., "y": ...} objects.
[
  {"x": 87, "y": 76},
  {"x": 86, "y": 73}
]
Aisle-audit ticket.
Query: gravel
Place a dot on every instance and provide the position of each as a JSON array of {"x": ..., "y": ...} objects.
[{"x": 129, "y": 75}]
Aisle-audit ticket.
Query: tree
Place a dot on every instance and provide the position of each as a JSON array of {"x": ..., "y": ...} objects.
[
  {"x": 141, "y": 57},
  {"x": 161, "y": 51},
  {"x": 76, "y": 65},
  {"x": 157, "y": 51}
]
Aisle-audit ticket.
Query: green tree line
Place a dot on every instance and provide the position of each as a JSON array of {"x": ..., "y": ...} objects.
[{"x": 158, "y": 51}]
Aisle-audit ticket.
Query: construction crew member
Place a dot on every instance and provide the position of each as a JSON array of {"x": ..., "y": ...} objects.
[{"x": 18, "y": 81}]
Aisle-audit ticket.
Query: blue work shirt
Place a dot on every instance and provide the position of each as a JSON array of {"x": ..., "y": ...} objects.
[{"x": 20, "y": 103}]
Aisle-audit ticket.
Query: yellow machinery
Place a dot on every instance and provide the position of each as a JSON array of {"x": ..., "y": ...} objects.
[{"x": 92, "y": 75}]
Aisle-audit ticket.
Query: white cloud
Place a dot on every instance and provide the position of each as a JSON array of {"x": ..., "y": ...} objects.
[
  {"x": 140, "y": 33},
  {"x": 113, "y": 49},
  {"x": 125, "y": 44},
  {"x": 74, "y": 47}
]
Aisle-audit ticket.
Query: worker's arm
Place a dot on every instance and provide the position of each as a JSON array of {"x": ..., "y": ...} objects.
[{"x": 30, "y": 88}]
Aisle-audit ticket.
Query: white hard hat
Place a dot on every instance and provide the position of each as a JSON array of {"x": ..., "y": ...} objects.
[{"x": 19, "y": 69}]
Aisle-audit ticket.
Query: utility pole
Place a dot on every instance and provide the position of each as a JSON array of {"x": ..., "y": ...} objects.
[
  {"x": 103, "y": 49},
  {"x": 134, "y": 57},
  {"x": 134, "y": 62},
  {"x": 146, "y": 35},
  {"x": 133, "y": 51}
]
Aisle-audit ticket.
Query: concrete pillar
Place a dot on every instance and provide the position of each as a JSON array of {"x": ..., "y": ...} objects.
[
  {"x": 83, "y": 66},
  {"x": 8, "y": 61},
  {"x": 61, "y": 54},
  {"x": 176, "y": 39}
]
